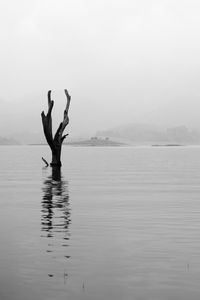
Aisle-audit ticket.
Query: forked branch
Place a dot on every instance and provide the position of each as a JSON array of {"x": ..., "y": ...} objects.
[{"x": 56, "y": 142}]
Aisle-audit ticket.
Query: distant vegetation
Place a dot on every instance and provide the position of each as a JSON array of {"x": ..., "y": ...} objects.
[
  {"x": 148, "y": 134},
  {"x": 95, "y": 141}
]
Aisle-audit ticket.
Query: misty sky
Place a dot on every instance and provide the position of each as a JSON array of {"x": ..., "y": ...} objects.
[{"x": 123, "y": 61}]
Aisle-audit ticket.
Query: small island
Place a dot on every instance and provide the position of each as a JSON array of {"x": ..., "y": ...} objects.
[{"x": 167, "y": 145}]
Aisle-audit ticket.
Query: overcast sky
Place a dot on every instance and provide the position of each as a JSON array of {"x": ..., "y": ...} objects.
[{"x": 123, "y": 61}]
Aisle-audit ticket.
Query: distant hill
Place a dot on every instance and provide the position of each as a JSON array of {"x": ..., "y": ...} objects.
[
  {"x": 149, "y": 134},
  {"x": 8, "y": 141},
  {"x": 30, "y": 137},
  {"x": 135, "y": 134}
]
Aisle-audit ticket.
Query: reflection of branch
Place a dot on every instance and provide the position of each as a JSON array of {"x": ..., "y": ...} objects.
[{"x": 55, "y": 204}]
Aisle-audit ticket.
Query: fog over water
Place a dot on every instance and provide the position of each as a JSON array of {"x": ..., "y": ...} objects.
[{"x": 122, "y": 61}]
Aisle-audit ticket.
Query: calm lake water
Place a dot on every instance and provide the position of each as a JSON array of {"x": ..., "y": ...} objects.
[{"x": 122, "y": 223}]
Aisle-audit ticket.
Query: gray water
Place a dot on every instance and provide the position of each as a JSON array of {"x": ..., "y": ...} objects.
[{"x": 121, "y": 223}]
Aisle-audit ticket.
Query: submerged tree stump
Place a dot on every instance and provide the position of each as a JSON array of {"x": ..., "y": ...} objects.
[{"x": 55, "y": 143}]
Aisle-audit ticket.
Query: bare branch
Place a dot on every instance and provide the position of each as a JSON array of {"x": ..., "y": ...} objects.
[
  {"x": 63, "y": 137},
  {"x": 68, "y": 101},
  {"x": 44, "y": 160},
  {"x": 65, "y": 122},
  {"x": 47, "y": 122},
  {"x": 58, "y": 132},
  {"x": 50, "y": 103},
  {"x": 65, "y": 117},
  {"x": 49, "y": 97}
]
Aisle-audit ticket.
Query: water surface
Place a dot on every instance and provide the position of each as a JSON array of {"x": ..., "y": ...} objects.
[{"x": 119, "y": 223}]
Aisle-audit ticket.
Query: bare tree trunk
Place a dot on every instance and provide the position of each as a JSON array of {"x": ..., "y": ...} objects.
[{"x": 55, "y": 143}]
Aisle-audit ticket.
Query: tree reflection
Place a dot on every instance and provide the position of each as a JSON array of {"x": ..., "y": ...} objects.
[{"x": 55, "y": 206}]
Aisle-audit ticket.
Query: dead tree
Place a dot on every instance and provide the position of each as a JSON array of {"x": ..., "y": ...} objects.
[{"x": 55, "y": 143}]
